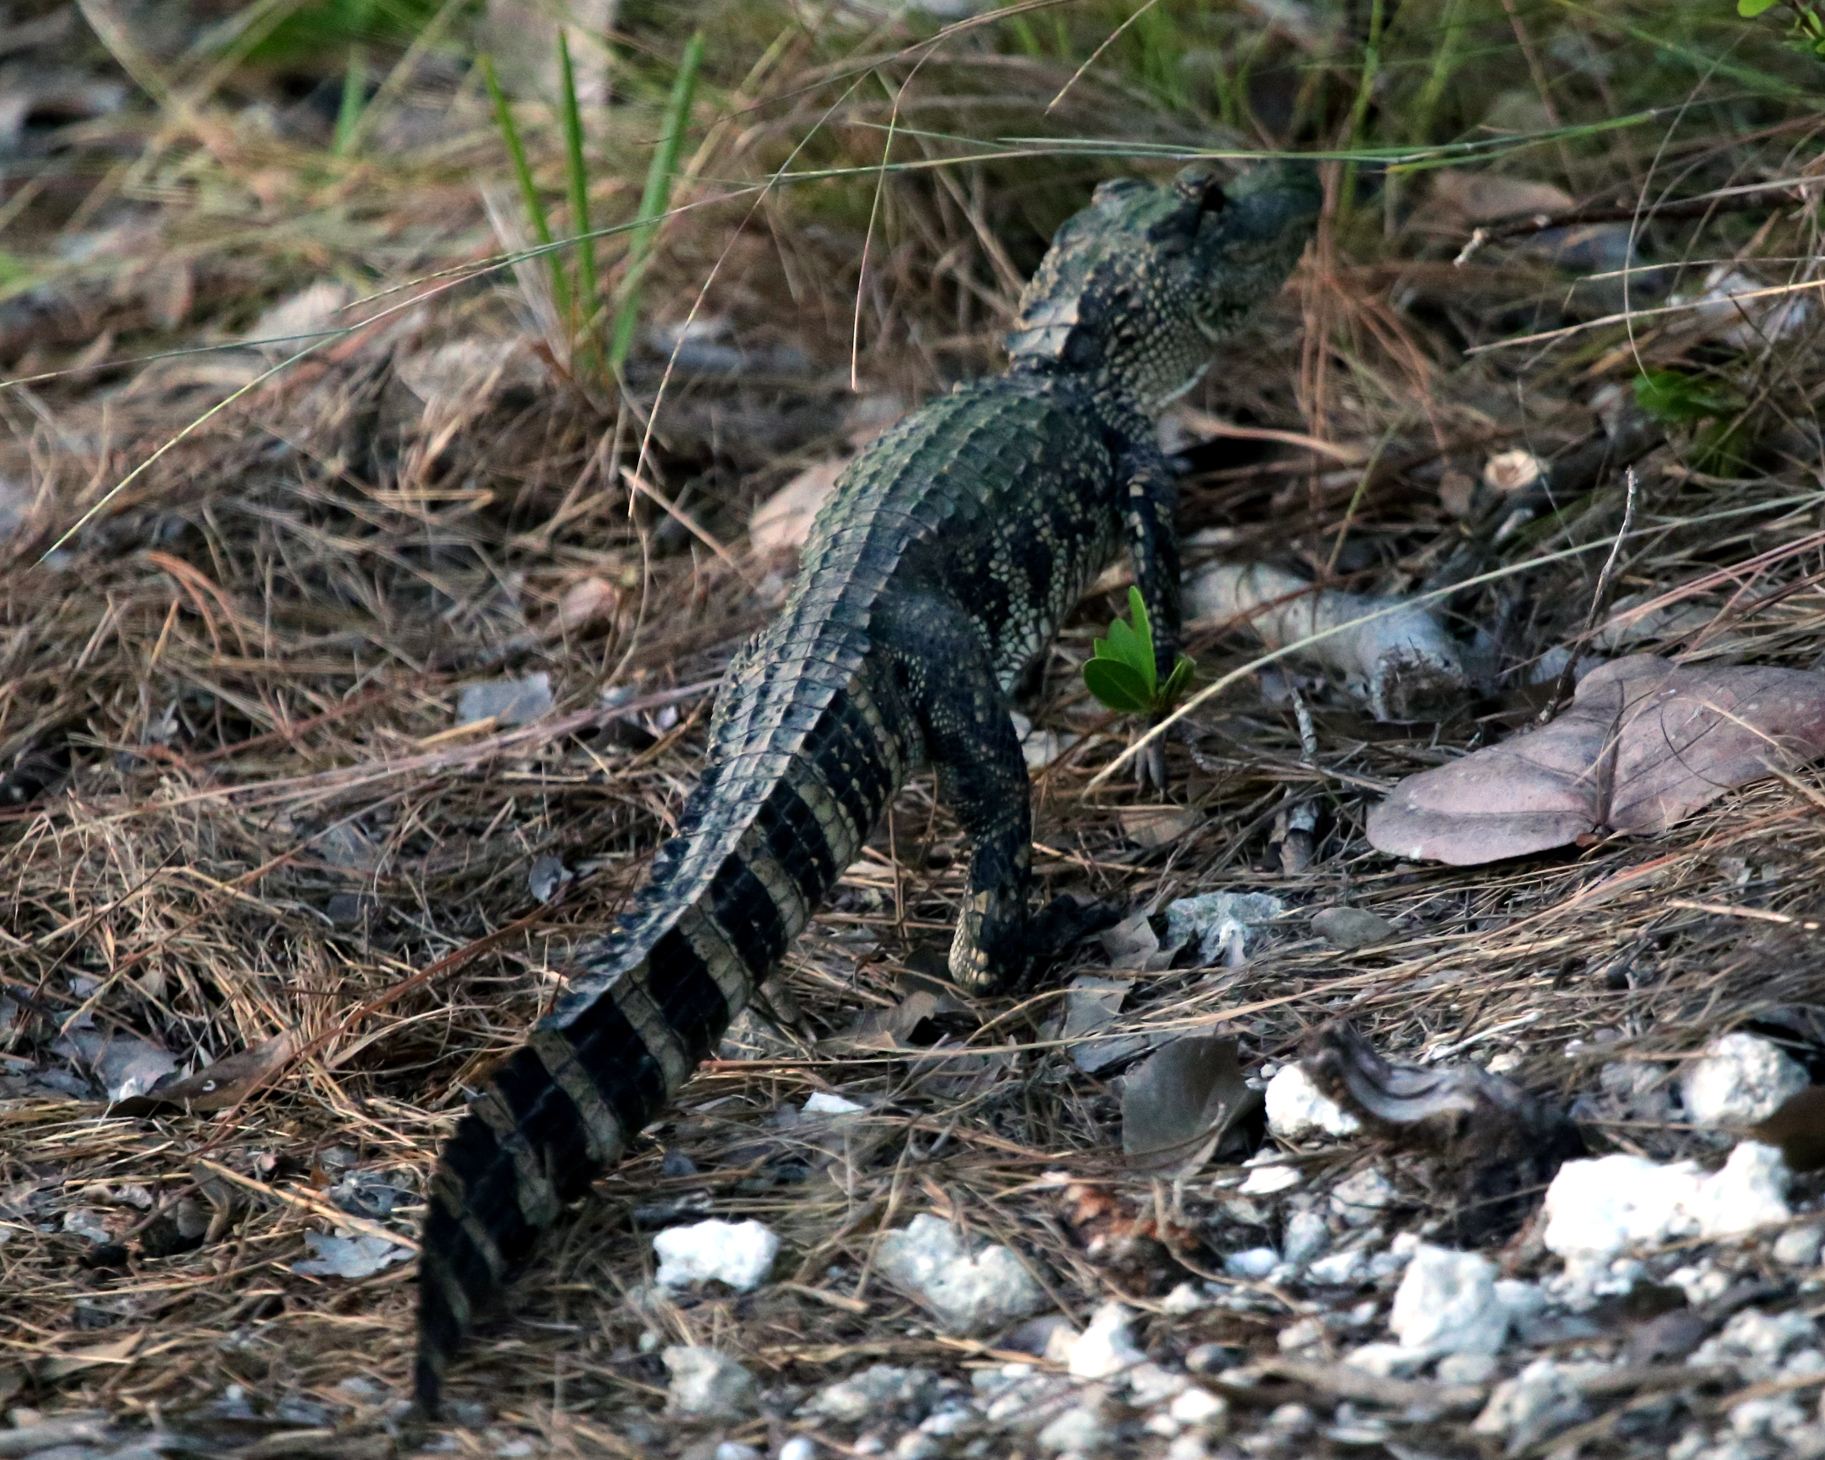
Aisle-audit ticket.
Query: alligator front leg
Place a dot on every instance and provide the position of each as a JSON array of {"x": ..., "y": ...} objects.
[
  {"x": 944, "y": 669},
  {"x": 1148, "y": 512}
]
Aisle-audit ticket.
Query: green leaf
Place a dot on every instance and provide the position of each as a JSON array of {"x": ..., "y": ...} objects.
[
  {"x": 1123, "y": 644},
  {"x": 1169, "y": 693},
  {"x": 1749, "y": 9},
  {"x": 1143, "y": 626},
  {"x": 1118, "y": 685},
  {"x": 1673, "y": 397}
]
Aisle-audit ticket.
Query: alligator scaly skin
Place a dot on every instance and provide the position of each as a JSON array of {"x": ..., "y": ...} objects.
[{"x": 950, "y": 551}]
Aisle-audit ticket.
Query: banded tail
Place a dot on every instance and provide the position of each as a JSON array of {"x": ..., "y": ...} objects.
[{"x": 801, "y": 769}]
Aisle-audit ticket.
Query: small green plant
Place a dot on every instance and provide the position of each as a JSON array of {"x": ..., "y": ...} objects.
[
  {"x": 1121, "y": 672},
  {"x": 529, "y": 194},
  {"x": 304, "y": 32},
  {"x": 1675, "y": 398},
  {"x": 1808, "y": 29},
  {"x": 354, "y": 102}
]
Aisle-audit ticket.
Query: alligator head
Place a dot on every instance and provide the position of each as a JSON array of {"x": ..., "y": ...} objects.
[{"x": 1143, "y": 281}]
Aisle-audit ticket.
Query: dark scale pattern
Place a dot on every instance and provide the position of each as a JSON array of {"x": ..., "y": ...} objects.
[{"x": 944, "y": 561}]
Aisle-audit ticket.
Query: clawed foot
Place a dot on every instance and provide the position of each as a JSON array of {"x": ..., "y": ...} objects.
[
  {"x": 1064, "y": 922},
  {"x": 1041, "y": 941},
  {"x": 1150, "y": 768}
]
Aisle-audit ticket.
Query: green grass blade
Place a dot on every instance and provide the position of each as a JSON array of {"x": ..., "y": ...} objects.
[
  {"x": 655, "y": 200},
  {"x": 576, "y": 178},
  {"x": 348, "y": 115},
  {"x": 522, "y": 172}
]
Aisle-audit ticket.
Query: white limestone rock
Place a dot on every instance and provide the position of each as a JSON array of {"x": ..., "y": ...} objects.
[
  {"x": 968, "y": 1292},
  {"x": 1078, "y": 1431},
  {"x": 1799, "y": 1246},
  {"x": 1305, "y": 1239},
  {"x": 1201, "y": 1408},
  {"x": 1538, "y": 1402},
  {"x": 708, "y": 1384},
  {"x": 874, "y": 1390},
  {"x": 1361, "y": 1197},
  {"x": 1756, "y": 1342},
  {"x": 737, "y": 1253},
  {"x": 1298, "y": 1110},
  {"x": 1447, "y": 1304},
  {"x": 1253, "y": 1264},
  {"x": 1106, "y": 1348},
  {"x": 1269, "y": 1177},
  {"x": 1738, "y": 1080},
  {"x": 822, "y": 1102},
  {"x": 1598, "y": 1208}
]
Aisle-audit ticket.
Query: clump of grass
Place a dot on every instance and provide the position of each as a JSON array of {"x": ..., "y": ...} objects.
[
  {"x": 529, "y": 192},
  {"x": 576, "y": 290}
]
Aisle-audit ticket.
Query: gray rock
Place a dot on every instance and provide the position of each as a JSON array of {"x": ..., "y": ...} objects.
[
  {"x": 968, "y": 1292},
  {"x": 1352, "y": 927},
  {"x": 1447, "y": 1304},
  {"x": 1799, "y": 1246},
  {"x": 882, "y": 1387},
  {"x": 707, "y": 1383},
  {"x": 1537, "y": 1403},
  {"x": 1079, "y": 1431},
  {"x": 1224, "y": 923},
  {"x": 505, "y": 701}
]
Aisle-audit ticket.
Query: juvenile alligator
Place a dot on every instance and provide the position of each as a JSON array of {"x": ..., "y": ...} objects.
[{"x": 951, "y": 550}]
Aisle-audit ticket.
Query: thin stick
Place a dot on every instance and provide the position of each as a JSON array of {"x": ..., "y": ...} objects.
[{"x": 1568, "y": 676}]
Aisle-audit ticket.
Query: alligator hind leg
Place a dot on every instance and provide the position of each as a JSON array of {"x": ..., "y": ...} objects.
[{"x": 943, "y": 668}]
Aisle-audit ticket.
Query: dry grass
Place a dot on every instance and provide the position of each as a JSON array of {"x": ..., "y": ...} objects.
[{"x": 238, "y": 806}]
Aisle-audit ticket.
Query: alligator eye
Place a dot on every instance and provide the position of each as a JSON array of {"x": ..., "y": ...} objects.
[{"x": 1200, "y": 189}]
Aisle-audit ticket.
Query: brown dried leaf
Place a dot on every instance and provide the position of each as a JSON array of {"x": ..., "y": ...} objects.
[
  {"x": 1483, "y": 197},
  {"x": 1178, "y": 1104},
  {"x": 1644, "y": 744},
  {"x": 220, "y": 1085},
  {"x": 586, "y": 603},
  {"x": 1156, "y": 826}
]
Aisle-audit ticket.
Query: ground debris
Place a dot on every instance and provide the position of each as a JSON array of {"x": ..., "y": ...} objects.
[
  {"x": 242, "y": 824},
  {"x": 1178, "y": 1104},
  {"x": 1497, "y": 1145},
  {"x": 1393, "y": 654}
]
